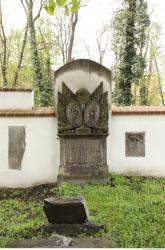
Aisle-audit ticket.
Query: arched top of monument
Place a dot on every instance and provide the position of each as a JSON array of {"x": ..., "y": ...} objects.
[{"x": 85, "y": 65}]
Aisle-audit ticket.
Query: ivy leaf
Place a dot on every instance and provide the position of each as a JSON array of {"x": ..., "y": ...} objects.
[
  {"x": 75, "y": 5},
  {"x": 61, "y": 3},
  {"x": 50, "y": 7}
]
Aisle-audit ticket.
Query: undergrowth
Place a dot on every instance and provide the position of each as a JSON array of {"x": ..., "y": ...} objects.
[{"x": 133, "y": 209}]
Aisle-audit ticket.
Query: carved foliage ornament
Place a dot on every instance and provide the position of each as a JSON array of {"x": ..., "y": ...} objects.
[{"x": 82, "y": 112}]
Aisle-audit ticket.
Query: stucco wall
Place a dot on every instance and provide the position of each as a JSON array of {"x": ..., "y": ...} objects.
[
  {"x": 16, "y": 99},
  {"x": 153, "y": 164},
  {"x": 41, "y": 158}
]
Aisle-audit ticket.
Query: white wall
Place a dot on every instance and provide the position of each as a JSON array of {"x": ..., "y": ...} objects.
[
  {"x": 41, "y": 158},
  {"x": 16, "y": 100},
  {"x": 153, "y": 164}
]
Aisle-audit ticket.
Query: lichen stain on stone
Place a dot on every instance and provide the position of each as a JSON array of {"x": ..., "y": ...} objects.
[{"x": 17, "y": 146}]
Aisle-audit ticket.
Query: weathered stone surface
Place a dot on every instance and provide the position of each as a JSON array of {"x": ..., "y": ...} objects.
[
  {"x": 87, "y": 242},
  {"x": 83, "y": 128},
  {"x": 53, "y": 241},
  {"x": 91, "y": 243},
  {"x": 84, "y": 151},
  {"x": 75, "y": 229},
  {"x": 17, "y": 146},
  {"x": 82, "y": 110},
  {"x": 65, "y": 211},
  {"x": 82, "y": 73},
  {"x": 135, "y": 144},
  {"x": 83, "y": 158}
]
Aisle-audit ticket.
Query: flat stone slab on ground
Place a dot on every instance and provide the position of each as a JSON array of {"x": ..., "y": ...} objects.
[
  {"x": 65, "y": 211},
  {"x": 53, "y": 242},
  {"x": 91, "y": 243}
]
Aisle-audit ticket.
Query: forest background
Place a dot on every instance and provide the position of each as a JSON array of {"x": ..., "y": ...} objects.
[{"x": 29, "y": 54}]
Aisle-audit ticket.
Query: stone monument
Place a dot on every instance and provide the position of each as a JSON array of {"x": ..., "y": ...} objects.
[
  {"x": 83, "y": 129},
  {"x": 69, "y": 216}
]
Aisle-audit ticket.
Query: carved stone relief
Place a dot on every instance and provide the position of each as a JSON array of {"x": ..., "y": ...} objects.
[{"x": 82, "y": 112}]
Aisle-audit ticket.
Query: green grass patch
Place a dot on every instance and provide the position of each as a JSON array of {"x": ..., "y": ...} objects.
[{"x": 133, "y": 209}]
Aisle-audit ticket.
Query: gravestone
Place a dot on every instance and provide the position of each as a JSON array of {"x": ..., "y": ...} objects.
[
  {"x": 69, "y": 216},
  {"x": 83, "y": 117},
  {"x": 65, "y": 211}
]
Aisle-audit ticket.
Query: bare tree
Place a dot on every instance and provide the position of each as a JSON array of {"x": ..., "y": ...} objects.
[
  {"x": 65, "y": 27},
  {"x": 153, "y": 53},
  {"x": 3, "y": 52},
  {"x": 102, "y": 41},
  {"x": 20, "y": 57},
  {"x": 102, "y": 38},
  {"x": 87, "y": 49}
]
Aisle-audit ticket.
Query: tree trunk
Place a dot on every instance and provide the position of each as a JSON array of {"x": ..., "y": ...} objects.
[
  {"x": 74, "y": 19},
  {"x": 159, "y": 81},
  {"x": 4, "y": 49},
  {"x": 20, "y": 56},
  {"x": 126, "y": 72},
  {"x": 34, "y": 53}
]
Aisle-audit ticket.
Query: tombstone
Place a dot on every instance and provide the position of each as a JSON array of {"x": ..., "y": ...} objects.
[
  {"x": 69, "y": 216},
  {"x": 83, "y": 96},
  {"x": 65, "y": 211}
]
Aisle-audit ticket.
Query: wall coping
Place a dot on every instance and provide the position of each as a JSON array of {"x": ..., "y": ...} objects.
[
  {"x": 138, "y": 110},
  {"x": 50, "y": 111},
  {"x": 34, "y": 112},
  {"x": 15, "y": 89}
]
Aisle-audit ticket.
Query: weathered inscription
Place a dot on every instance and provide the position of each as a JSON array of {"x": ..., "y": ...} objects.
[
  {"x": 16, "y": 146},
  {"x": 135, "y": 144},
  {"x": 83, "y": 151}
]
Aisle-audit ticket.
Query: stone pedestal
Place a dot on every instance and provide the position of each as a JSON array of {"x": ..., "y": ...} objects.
[
  {"x": 83, "y": 129},
  {"x": 83, "y": 159}
]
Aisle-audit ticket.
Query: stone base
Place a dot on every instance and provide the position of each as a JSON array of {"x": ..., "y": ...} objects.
[
  {"x": 83, "y": 159},
  {"x": 73, "y": 229},
  {"x": 82, "y": 179}
]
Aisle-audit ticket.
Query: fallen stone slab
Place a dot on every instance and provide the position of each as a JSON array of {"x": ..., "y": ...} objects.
[
  {"x": 51, "y": 242},
  {"x": 66, "y": 211},
  {"x": 55, "y": 240},
  {"x": 91, "y": 243}
]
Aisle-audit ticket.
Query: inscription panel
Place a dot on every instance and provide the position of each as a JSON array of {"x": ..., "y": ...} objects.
[
  {"x": 83, "y": 151},
  {"x": 135, "y": 144},
  {"x": 17, "y": 146}
]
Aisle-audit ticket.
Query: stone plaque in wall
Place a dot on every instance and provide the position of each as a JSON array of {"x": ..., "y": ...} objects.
[
  {"x": 83, "y": 128},
  {"x": 16, "y": 146},
  {"x": 135, "y": 144}
]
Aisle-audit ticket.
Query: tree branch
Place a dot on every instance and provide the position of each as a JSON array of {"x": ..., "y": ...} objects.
[{"x": 42, "y": 3}]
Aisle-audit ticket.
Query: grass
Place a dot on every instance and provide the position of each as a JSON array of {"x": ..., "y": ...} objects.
[{"x": 133, "y": 209}]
